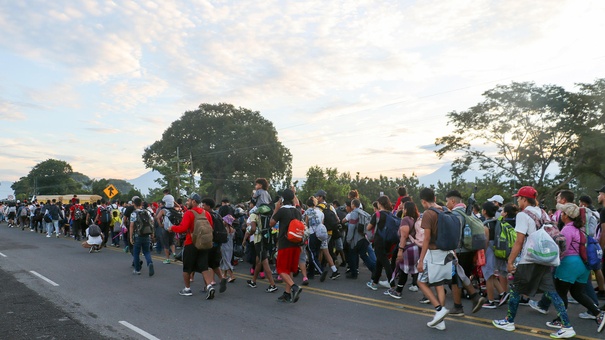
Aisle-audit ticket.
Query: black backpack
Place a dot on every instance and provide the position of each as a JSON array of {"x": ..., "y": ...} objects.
[
  {"x": 219, "y": 234},
  {"x": 174, "y": 216},
  {"x": 105, "y": 214},
  {"x": 143, "y": 226},
  {"x": 330, "y": 219},
  {"x": 94, "y": 230}
]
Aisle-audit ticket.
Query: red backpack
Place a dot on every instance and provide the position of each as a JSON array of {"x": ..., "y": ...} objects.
[{"x": 296, "y": 231}]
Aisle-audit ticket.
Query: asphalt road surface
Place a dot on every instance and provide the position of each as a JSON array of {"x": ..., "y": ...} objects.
[{"x": 54, "y": 289}]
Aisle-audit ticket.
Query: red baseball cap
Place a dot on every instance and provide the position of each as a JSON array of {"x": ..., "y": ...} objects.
[{"x": 528, "y": 192}]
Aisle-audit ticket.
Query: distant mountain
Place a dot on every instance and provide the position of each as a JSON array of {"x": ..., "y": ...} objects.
[
  {"x": 444, "y": 174},
  {"x": 5, "y": 189},
  {"x": 146, "y": 181}
]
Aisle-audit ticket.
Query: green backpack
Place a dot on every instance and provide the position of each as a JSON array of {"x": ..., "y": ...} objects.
[
  {"x": 504, "y": 238},
  {"x": 473, "y": 231}
]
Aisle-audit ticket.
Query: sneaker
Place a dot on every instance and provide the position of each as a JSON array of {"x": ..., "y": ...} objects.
[
  {"x": 210, "y": 292},
  {"x": 323, "y": 276},
  {"x": 490, "y": 305},
  {"x": 600, "y": 322},
  {"x": 457, "y": 311},
  {"x": 504, "y": 325},
  {"x": 439, "y": 316},
  {"x": 47, "y": 235},
  {"x": 305, "y": 281},
  {"x": 384, "y": 284},
  {"x": 285, "y": 297},
  {"x": 296, "y": 290},
  {"x": 186, "y": 292},
  {"x": 136, "y": 272},
  {"x": 536, "y": 306},
  {"x": 413, "y": 288},
  {"x": 394, "y": 294},
  {"x": 223, "y": 285},
  {"x": 572, "y": 300},
  {"x": 478, "y": 302},
  {"x": 334, "y": 275},
  {"x": 91, "y": 250},
  {"x": 424, "y": 300},
  {"x": 372, "y": 285},
  {"x": 261, "y": 275},
  {"x": 271, "y": 289},
  {"x": 564, "y": 333},
  {"x": 351, "y": 276},
  {"x": 503, "y": 298},
  {"x": 524, "y": 302},
  {"x": 151, "y": 270},
  {"x": 251, "y": 283},
  {"x": 166, "y": 261},
  {"x": 279, "y": 279},
  {"x": 556, "y": 323},
  {"x": 587, "y": 316},
  {"x": 440, "y": 326}
]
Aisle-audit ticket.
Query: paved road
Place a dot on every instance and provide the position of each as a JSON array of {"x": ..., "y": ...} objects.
[{"x": 75, "y": 295}]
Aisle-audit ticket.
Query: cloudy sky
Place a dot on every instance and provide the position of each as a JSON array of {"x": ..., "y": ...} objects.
[{"x": 358, "y": 85}]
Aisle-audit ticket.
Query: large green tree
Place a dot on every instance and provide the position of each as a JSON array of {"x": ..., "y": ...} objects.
[
  {"x": 49, "y": 177},
  {"x": 523, "y": 132},
  {"x": 228, "y": 146}
]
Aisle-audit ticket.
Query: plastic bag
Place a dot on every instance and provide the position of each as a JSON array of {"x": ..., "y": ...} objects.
[{"x": 540, "y": 248}]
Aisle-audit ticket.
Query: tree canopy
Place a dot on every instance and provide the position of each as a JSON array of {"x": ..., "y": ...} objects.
[
  {"x": 228, "y": 147},
  {"x": 533, "y": 135},
  {"x": 47, "y": 178}
]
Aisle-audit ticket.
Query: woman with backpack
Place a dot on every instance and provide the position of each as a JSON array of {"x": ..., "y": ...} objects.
[
  {"x": 572, "y": 273},
  {"x": 408, "y": 251},
  {"x": 381, "y": 247}
]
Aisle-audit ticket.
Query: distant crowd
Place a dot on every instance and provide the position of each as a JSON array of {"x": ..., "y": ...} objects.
[{"x": 502, "y": 251}]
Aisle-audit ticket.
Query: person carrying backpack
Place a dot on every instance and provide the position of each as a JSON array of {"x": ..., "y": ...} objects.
[
  {"x": 141, "y": 234},
  {"x": 572, "y": 274},
  {"x": 76, "y": 218},
  {"x": 104, "y": 220},
  {"x": 530, "y": 277},
  {"x": 382, "y": 245},
  {"x": 357, "y": 242}
]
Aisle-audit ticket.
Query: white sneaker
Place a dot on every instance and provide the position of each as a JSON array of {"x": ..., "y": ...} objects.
[
  {"x": 413, "y": 288},
  {"x": 534, "y": 304},
  {"x": 587, "y": 316},
  {"x": 439, "y": 316},
  {"x": 504, "y": 325},
  {"x": 385, "y": 284},
  {"x": 564, "y": 333},
  {"x": 440, "y": 326}
]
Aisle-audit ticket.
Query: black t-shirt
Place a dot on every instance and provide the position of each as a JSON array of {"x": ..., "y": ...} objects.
[
  {"x": 491, "y": 225},
  {"x": 284, "y": 215},
  {"x": 379, "y": 225},
  {"x": 129, "y": 210}
]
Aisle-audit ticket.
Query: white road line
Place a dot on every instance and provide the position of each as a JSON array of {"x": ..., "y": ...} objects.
[
  {"x": 44, "y": 278},
  {"x": 2, "y": 255},
  {"x": 138, "y": 330}
]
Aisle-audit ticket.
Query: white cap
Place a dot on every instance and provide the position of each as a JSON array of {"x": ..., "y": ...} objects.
[
  {"x": 168, "y": 201},
  {"x": 496, "y": 198}
]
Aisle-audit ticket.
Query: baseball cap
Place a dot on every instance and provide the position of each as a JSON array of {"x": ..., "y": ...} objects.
[
  {"x": 288, "y": 195},
  {"x": 194, "y": 196},
  {"x": 601, "y": 190},
  {"x": 527, "y": 192},
  {"x": 321, "y": 193},
  {"x": 168, "y": 201},
  {"x": 569, "y": 209},
  {"x": 496, "y": 198}
]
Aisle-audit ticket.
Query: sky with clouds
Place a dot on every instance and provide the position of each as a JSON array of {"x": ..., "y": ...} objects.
[{"x": 358, "y": 85}]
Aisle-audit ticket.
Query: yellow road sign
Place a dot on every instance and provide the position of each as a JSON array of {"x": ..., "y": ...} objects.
[{"x": 111, "y": 191}]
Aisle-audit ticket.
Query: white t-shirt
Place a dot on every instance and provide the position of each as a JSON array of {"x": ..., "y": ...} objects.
[
  {"x": 526, "y": 225},
  {"x": 93, "y": 239}
]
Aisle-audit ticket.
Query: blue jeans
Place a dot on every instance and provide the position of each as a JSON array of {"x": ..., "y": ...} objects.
[
  {"x": 366, "y": 252},
  {"x": 141, "y": 243}
]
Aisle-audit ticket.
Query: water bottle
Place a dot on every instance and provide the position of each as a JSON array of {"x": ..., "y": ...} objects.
[{"x": 467, "y": 231}]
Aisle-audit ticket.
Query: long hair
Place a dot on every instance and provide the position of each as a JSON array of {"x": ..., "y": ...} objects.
[{"x": 410, "y": 209}]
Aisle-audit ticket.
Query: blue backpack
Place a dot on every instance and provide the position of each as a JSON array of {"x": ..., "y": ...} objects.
[
  {"x": 390, "y": 232},
  {"x": 594, "y": 253},
  {"x": 449, "y": 229}
]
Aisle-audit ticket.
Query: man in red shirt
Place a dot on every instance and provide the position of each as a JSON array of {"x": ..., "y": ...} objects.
[
  {"x": 194, "y": 260},
  {"x": 77, "y": 214}
]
